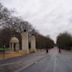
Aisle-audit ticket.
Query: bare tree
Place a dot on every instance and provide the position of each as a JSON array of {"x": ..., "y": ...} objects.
[
  {"x": 18, "y": 25},
  {"x": 12, "y": 22},
  {"x": 4, "y": 14}
]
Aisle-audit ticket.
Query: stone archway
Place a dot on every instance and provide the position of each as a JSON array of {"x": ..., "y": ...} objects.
[
  {"x": 28, "y": 42},
  {"x": 14, "y": 44}
]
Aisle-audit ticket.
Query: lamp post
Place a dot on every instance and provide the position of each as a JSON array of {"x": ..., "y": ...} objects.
[{"x": 59, "y": 50}]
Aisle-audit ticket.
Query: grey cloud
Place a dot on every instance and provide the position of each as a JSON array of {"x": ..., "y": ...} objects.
[{"x": 50, "y": 17}]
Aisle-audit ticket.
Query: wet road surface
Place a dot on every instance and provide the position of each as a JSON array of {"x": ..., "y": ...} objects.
[
  {"x": 53, "y": 62},
  {"x": 40, "y": 62}
]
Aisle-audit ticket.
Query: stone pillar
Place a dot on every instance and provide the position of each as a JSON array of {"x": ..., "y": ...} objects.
[
  {"x": 17, "y": 46},
  {"x": 25, "y": 47},
  {"x": 33, "y": 43},
  {"x": 11, "y": 45}
]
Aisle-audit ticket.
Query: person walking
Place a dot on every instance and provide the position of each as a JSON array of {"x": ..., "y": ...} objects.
[
  {"x": 59, "y": 50},
  {"x": 46, "y": 50}
]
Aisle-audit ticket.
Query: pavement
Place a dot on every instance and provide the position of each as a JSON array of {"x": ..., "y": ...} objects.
[
  {"x": 19, "y": 63},
  {"x": 40, "y": 62}
]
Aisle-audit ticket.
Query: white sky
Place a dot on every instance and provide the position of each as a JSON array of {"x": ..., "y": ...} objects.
[{"x": 49, "y": 17}]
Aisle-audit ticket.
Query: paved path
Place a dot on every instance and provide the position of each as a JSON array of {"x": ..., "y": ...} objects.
[{"x": 12, "y": 65}]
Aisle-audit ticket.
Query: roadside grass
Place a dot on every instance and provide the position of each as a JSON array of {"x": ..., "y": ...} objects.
[
  {"x": 10, "y": 54},
  {"x": 4, "y": 49}
]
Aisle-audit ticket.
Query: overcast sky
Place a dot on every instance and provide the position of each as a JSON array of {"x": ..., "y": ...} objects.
[{"x": 49, "y": 17}]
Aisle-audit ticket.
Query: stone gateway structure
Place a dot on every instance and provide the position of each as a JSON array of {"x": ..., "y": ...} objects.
[
  {"x": 14, "y": 44},
  {"x": 26, "y": 42}
]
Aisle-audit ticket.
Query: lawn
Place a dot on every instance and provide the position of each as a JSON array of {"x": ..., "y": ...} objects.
[{"x": 4, "y": 49}]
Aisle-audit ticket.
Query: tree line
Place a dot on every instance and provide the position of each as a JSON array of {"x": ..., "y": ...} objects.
[
  {"x": 64, "y": 41},
  {"x": 44, "y": 42}
]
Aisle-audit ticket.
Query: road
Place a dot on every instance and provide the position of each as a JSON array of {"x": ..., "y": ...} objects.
[
  {"x": 40, "y": 62},
  {"x": 54, "y": 62}
]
